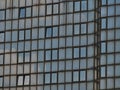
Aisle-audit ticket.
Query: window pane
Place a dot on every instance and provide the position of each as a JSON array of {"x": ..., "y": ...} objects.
[
  {"x": 47, "y": 78},
  {"x": 48, "y": 32},
  {"x": 26, "y": 80},
  {"x": 75, "y": 76},
  {"x": 76, "y": 52},
  {"x": 1, "y": 81},
  {"x": 54, "y": 77},
  {"x": 20, "y": 80},
  {"x": 22, "y": 12},
  {"x": 77, "y": 6},
  {"x": 82, "y": 76}
]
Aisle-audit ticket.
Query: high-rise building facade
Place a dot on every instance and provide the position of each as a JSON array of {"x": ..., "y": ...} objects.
[{"x": 59, "y": 44}]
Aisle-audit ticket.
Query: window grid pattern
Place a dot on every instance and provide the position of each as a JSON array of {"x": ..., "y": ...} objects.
[
  {"x": 110, "y": 40},
  {"x": 51, "y": 45}
]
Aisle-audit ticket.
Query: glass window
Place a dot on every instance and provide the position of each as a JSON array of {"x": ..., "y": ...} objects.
[
  {"x": 34, "y": 44},
  {"x": 61, "y": 53},
  {"x": 61, "y": 42},
  {"x": 1, "y": 81},
  {"x": 27, "y": 57},
  {"x": 27, "y": 45},
  {"x": 110, "y": 71},
  {"x": 1, "y": 37},
  {"x": 41, "y": 33},
  {"x": 83, "y": 64},
  {"x": 14, "y": 35},
  {"x": 55, "y": 8},
  {"x": 103, "y": 47},
  {"x": 117, "y": 81},
  {"x": 20, "y": 80},
  {"x": 49, "y": 9},
  {"x": 6, "y": 81},
  {"x": 54, "y": 77},
  {"x": 22, "y": 12},
  {"x": 117, "y": 71},
  {"x": 110, "y": 83},
  {"x": 48, "y": 43},
  {"x": 40, "y": 79},
  {"x": 61, "y": 65},
  {"x": 40, "y": 67},
  {"x": 110, "y": 22},
  {"x": 83, "y": 28},
  {"x": 76, "y": 40},
  {"x": 61, "y": 77},
  {"x": 42, "y": 10},
  {"x": 54, "y": 66},
  {"x": 90, "y": 75},
  {"x": 27, "y": 34},
  {"x": 76, "y": 64},
  {"x": 68, "y": 76},
  {"x": 83, "y": 40},
  {"x": 117, "y": 21},
  {"x": 82, "y": 75},
  {"x": 48, "y": 32},
  {"x": 55, "y": 31},
  {"x": 34, "y": 56},
  {"x": 84, "y": 5},
  {"x": 77, "y": 6},
  {"x": 54, "y": 54},
  {"x": 76, "y": 52},
  {"x": 75, "y": 76},
  {"x": 8, "y": 36},
  {"x": 103, "y": 23},
  {"x": 47, "y": 78},
  {"x": 28, "y": 12},
  {"x": 111, "y": 10},
  {"x": 20, "y": 46},
  {"x": 68, "y": 41},
  {"x": 2, "y": 15},
  {"x": 76, "y": 29},
  {"x": 69, "y": 53},
  {"x": 26, "y": 80},
  {"x": 70, "y": 7},
  {"x": 48, "y": 55},
  {"x": 34, "y": 33},
  {"x": 69, "y": 65},
  {"x": 54, "y": 43},
  {"x": 47, "y": 67},
  {"x": 40, "y": 55},
  {"x": 1, "y": 59},
  {"x": 83, "y": 52},
  {"x": 103, "y": 11},
  {"x": 21, "y": 35},
  {"x": 103, "y": 71}
]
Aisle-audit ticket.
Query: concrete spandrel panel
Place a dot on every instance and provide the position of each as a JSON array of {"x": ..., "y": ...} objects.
[{"x": 2, "y": 4}]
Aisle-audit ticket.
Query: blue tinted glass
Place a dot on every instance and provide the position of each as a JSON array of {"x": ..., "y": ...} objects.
[
  {"x": 75, "y": 76},
  {"x": 77, "y": 6},
  {"x": 22, "y": 12},
  {"x": 49, "y": 32},
  {"x": 47, "y": 78},
  {"x": 76, "y": 52},
  {"x": 1, "y": 81},
  {"x": 82, "y": 75}
]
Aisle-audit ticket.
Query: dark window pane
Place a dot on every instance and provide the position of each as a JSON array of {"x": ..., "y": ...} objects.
[
  {"x": 48, "y": 32},
  {"x": 22, "y": 12}
]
